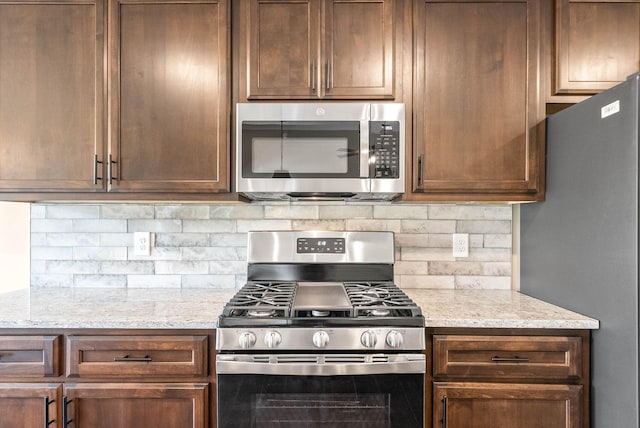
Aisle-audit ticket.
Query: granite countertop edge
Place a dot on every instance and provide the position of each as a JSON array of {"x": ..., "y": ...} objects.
[{"x": 196, "y": 309}]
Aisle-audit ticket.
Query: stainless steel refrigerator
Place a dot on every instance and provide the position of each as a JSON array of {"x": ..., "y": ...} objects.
[{"x": 579, "y": 248}]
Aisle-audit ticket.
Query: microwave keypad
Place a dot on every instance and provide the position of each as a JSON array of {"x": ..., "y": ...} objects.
[{"x": 383, "y": 138}]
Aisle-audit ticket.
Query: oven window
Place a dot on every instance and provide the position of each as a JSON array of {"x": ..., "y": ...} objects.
[
  {"x": 301, "y": 149},
  {"x": 270, "y": 401}
]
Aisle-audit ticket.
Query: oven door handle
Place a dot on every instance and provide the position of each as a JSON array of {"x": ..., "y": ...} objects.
[{"x": 320, "y": 365}]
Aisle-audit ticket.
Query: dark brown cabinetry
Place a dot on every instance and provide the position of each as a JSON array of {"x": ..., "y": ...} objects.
[
  {"x": 311, "y": 49},
  {"x": 596, "y": 45},
  {"x": 34, "y": 359},
  {"x": 104, "y": 378},
  {"x": 167, "y": 125},
  {"x": 51, "y": 95},
  {"x": 476, "y": 101},
  {"x": 169, "y": 97},
  {"x": 528, "y": 379}
]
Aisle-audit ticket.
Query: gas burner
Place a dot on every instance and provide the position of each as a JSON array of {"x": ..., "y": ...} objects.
[
  {"x": 318, "y": 313},
  {"x": 378, "y": 312},
  {"x": 261, "y": 314}
]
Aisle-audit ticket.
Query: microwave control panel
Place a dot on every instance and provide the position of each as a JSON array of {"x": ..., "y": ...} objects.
[{"x": 384, "y": 142}]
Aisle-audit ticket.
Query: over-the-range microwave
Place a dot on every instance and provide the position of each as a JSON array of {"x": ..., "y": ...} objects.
[{"x": 320, "y": 151}]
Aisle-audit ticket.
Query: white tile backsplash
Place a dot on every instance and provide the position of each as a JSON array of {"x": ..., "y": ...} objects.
[{"x": 204, "y": 246}]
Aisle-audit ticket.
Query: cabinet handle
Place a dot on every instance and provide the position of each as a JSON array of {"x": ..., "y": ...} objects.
[
  {"x": 329, "y": 76},
  {"x": 96, "y": 162},
  {"x": 110, "y": 170},
  {"x": 313, "y": 75},
  {"x": 65, "y": 404},
  {"x": 444, "y": 412},
  {"x": 128, "y": 359},
  {"x": 47, "y": 403},
  {"x": 420, "y": 175},
  {"x": 515, "y": 359}
]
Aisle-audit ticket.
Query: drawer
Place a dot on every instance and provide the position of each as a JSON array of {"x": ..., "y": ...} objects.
[
  {"x": 29, "y": 355},
  {"x": 126, "y": 356},
  {"x": 507, "y": 357}
]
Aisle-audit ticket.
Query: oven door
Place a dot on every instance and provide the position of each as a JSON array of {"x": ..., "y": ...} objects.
[{"x": 332, "y": 390}]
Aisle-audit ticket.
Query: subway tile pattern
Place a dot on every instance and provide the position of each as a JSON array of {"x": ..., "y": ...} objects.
[{"x": 204, "y": 246}]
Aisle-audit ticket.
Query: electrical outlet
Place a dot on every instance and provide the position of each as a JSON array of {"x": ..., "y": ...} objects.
[
  {"x": 142, "y": 243},
  {"x": 460, "y": 245}
]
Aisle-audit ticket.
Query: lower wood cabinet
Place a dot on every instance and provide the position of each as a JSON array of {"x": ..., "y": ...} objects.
[
  {"x": 139, "y": 405},
  {"x": 503, "y": 378},
  {"x": 483, "y": 405},
  {"x": 102, "y": 378},
  {"x": 30, "y": 405}
]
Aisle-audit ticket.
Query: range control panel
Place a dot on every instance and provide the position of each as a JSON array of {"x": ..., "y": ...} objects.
[
  {"x": 320, "y": 245},
  {"x": 384, "y": 141}
]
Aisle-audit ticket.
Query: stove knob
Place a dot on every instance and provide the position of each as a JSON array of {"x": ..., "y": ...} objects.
[
  {"x": 272, "y": 339},
  {"x": 320, "y": 339},
  {"x": 394, "y": 339},
  {"x": 247, "y": 340},
  {"x": 369, "y": 339}
]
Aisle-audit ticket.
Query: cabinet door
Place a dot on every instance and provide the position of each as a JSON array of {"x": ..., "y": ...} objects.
[
  {"x": 283, "y": 48},
  {"x": 169, "y": 96},
  {"x": 482, "y": 405},
  {"x": 29, "y": 405},
  {"x": 597, "y": 44},
  {"x": 51, "y": 95},
  {"x": 476, "y": 101},
  {"x": 358, "y": 49},
  {"x": 148, "y": 405}
]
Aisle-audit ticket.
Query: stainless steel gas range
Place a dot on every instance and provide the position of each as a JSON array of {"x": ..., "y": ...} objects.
[{"x": 320, "y": 336}]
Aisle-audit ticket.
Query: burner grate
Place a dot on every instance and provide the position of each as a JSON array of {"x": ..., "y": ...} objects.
[
  {"x": 262, "y": 300},
  {"x": 380, "y": 299}
]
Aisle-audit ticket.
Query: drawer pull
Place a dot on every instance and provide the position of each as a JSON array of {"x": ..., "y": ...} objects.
[
  {"x": 515, "y": 359},
  {"x": 128, "y": 359},
  {"x": 47, "y": 403}
]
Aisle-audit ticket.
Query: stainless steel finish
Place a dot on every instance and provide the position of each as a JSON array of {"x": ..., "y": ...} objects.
[
  {"x": 320, "y": 339},
  {"x": 360, "y": 247},
  {"x": 369, "y": 339},
  {"x": 394, "y": 339},
  {"x": 363, "y": 188},
  {"x": 330, "y": 296},
  {"x": 339, "y": 338},
  {"x": 272, "y": 339},
  {"x": 246, "y": 340},
  {"x": 320, "y": 365}
]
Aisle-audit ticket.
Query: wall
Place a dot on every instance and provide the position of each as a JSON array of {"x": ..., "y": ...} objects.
[
  {"x": 91, "y": 245},
  {"x": 14, "y": 246}
]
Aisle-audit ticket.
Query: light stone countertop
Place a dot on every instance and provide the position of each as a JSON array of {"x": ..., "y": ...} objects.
[{"x": 199, "y": 309}]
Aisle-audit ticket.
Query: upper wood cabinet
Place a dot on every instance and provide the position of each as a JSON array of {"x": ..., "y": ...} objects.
[
  {"x": 314, "y": 49},
  {"x": 597, "y": 45},
  {"x": 169, "y": 96},
  {"x": 477, "y": 114},
  {"x": 51, "y": 95}
]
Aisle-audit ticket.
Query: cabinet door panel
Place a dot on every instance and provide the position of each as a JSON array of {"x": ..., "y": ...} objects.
[
  {"x": 51, "y": 95},
  {"x": 138, "y": 405},
  {"x": 283, "y": 49},
  {"x": 481, "y": 405},
  {"x": 24, "y": 405},
  {"x": 358, "y": 47},
  {"x": 597, "y": 45},
  {"x": 477, "y": 109},
  {"x": 169, "y": 96}
]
